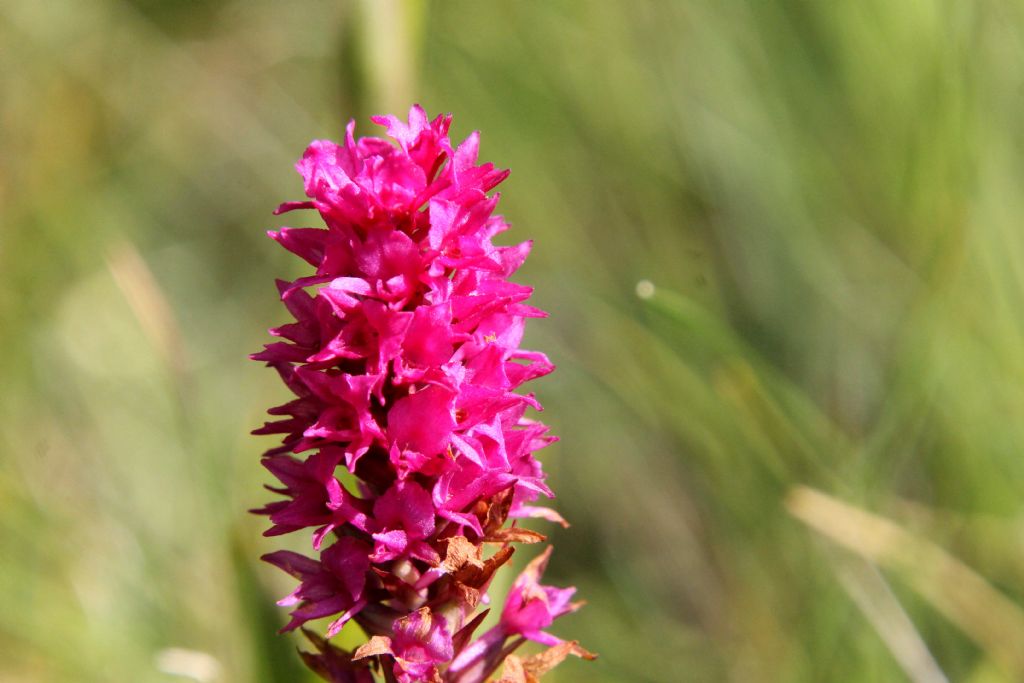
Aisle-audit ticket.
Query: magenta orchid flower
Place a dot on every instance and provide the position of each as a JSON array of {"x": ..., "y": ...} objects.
[{"x": 407, "y": 448}]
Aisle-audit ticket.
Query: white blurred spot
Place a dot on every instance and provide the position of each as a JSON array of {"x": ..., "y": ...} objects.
[
  {"x": 199, "y": 666},
  {"x": 645, "y": 289}
]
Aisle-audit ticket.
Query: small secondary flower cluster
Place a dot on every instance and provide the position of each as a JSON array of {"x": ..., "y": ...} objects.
[{"x": 406, "y": 448}]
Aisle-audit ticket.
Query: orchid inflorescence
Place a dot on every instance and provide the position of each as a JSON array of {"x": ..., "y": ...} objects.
[{"x": 406, "y": 449}]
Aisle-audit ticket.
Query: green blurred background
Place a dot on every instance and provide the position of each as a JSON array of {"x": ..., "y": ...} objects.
[{"x": 781, "y": 244}]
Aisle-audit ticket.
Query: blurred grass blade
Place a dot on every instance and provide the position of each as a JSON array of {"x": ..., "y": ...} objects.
[
  {"x": 693, "y": 319},
  {"x": 273, "y": 656},
  {"x": 871, "y": 593},
  {"x": 390, "y": 35},
  {"x": 149, "y": 304},
  {"x": 769, "y": 406},
  {"x": 955, "y": 590}
]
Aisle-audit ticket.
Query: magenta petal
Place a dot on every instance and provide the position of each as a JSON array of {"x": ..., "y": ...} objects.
[
  {"x": 539, "y": 513},
  {"x": 348, "y": 560},
  {"x": 423, "y": 421},
  {"x": 463, "y": 519},
  {"x": 293, "y": 563},
  {"x": 335, "y": 626},
  {"x": 324, "y": 166},
  {"x": 389, "y": 545},
  {"x": 406, "y": 505},
  {"x": 285, "y": 207},
  {"x": 428, "y": 341}
]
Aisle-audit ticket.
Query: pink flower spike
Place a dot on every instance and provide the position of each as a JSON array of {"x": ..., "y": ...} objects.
[{"x": 407, "y": 447}]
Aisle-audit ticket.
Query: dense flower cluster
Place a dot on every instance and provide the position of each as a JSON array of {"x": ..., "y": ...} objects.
[{"x": 407, "y": 449}]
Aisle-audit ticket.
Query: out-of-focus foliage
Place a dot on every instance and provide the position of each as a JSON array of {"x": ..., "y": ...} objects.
[{"x": 822, "y": 199}]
